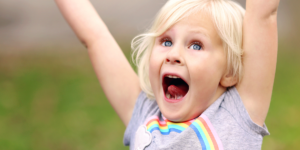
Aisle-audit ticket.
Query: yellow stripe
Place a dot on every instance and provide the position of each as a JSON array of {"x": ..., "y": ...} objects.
[
  {"x": 168, "y": 123},
  {"x": 206, "y": 134},
  {"x": 155, "y": 122}
]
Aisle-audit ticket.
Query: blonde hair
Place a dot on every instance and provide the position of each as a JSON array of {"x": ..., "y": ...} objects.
[{"x": 227, "y": 17}]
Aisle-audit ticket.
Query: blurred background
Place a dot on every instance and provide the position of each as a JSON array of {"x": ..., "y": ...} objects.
[{"x": 50, "y": 98}]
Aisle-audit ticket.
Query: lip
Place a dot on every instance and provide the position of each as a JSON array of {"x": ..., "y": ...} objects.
[{"x": 172, "y": 100}]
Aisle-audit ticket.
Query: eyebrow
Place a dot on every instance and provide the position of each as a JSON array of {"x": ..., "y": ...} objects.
[{"x": 199, "y": 31}]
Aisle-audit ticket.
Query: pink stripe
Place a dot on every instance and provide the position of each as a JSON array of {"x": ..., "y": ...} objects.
[
  {"x": 150, "y": 118},
  {"x": 220, "y": 145},
  {"x": 191, "y": 121},
  {"x": 156, "y": 118}
]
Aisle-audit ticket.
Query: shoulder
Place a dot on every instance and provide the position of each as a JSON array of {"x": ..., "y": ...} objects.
[
  {"x": 143, "y": 108},
  {"x": 144, "y": 105},
  {"x": 233, "y": 124},
  {"x": 236, "y": 109}
]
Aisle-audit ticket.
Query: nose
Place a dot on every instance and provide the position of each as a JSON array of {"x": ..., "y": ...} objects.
[{"x": 174, "y": 57}]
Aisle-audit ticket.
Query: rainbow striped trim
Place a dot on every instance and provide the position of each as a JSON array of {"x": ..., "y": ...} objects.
[
  {"x": 166, "y": 126},
  {"x": 206, "y": 134},
  {"x": 202, "y": 127}
]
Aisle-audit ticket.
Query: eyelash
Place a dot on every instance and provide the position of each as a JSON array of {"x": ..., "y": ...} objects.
[
  {"x": 162, "y": 40},
  {"x": 198, "y": 43}
]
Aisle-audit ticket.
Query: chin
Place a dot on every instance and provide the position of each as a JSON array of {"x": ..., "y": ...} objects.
[{"x": 174, "y": 116}]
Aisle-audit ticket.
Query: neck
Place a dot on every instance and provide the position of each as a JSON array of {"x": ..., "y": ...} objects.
[{"x": 219, "y": 92}]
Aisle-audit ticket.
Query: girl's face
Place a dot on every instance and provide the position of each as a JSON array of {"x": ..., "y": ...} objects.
[{"x": 186, "y": 66}]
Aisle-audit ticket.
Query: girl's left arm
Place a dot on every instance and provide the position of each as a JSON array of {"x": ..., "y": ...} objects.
[{"x": 260, "y": 41}]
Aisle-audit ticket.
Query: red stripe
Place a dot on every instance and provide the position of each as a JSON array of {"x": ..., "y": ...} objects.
[
  {"x": 163, "y": 125},
  {"x": 156, "y": 120},
  {"x": 210, "y": 133},
  {"x": 187, "y": 123}
]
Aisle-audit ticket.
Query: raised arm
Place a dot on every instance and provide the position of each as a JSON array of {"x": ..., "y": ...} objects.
[
  {"x": 118, "y": 80},
  {"x": 260, "y": 55}
]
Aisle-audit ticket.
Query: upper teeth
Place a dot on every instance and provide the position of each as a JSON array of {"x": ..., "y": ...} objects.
[{"x": 171, "y": 76}]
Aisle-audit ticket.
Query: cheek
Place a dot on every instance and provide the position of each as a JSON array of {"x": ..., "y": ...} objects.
[
  {"x": 154, "y": 73},
  {"x": 155, "y": 62},
  {"x": 206, "y": 71},
  {"x": 152, "y": 69}
]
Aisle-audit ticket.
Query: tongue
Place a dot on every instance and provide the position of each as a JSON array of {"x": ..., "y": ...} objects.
[{"x": 179, "y": 90}]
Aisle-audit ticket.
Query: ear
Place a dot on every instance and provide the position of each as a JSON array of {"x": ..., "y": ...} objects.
[{"x": 228, "y": 80}]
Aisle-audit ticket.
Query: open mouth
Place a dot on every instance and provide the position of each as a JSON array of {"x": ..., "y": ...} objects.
[{"x": 174, "y": 87}]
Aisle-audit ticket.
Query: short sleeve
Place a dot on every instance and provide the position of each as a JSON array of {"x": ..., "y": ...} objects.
[{"x": 245, "y": 117}]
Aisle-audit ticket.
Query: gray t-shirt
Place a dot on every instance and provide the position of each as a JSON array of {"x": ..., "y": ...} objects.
[{"x": 223, "y": 125}]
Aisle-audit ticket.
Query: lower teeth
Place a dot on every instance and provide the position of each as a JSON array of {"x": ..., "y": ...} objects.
[{"x": 169, "y": 96}]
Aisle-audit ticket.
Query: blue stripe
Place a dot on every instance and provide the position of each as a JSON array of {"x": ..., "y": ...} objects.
[
  {"x": 199, "y": 136},
  {"x": 169, "y": 126},
  {"x": 176, "y": 127},
  {"x": 202, "y": 134},
  {"x": 153, "y": 126},
  {"x": 164, "y": 132},
  {"x": 157, "y": 128}
]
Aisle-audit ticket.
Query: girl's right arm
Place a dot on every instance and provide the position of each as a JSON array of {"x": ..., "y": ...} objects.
[{"x": 118, "y": 80}]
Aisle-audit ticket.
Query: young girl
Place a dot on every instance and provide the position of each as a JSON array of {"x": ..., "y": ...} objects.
[{"x": 206, "y": 70}]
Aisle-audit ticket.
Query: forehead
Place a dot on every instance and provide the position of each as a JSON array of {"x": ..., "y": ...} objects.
[{"x": 199, "y": 23}]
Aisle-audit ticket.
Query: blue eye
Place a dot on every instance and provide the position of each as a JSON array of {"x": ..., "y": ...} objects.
[
  {"x": 167, "y": 43},
  {"x": 195, "y": 47}
]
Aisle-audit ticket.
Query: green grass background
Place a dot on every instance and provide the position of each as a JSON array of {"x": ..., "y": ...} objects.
[{"x": 52, "y": 101}]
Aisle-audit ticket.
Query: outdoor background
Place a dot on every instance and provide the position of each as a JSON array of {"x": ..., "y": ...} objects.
[{"x": 50, "y": 98}]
